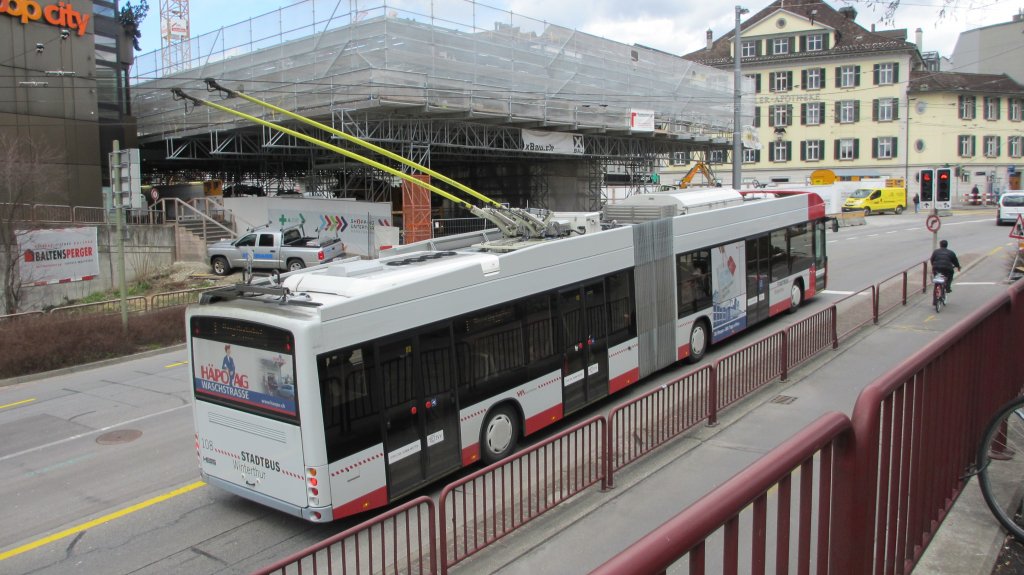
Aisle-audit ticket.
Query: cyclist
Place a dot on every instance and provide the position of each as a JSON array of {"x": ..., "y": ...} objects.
[{"x": 943, "y": 262}]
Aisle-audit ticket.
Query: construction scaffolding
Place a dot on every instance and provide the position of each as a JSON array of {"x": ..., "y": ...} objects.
[{"x": 451, "y": 83}]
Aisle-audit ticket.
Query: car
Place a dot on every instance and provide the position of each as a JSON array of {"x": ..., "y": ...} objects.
[{"x": 1011, "y": 205}]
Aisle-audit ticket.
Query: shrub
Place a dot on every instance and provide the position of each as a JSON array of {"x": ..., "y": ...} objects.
[{"x": 45, "y": 342}]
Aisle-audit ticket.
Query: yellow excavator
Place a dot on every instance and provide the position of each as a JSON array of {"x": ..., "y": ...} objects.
[{"x": 704, "y": 170}]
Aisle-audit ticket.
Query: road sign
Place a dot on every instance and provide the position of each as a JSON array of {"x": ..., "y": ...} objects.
[
  {"x": 932, "y": 223},
  {"x": 1018, "y": 228}
]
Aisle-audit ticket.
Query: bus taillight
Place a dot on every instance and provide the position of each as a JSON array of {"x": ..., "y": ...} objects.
[{"x": 311, "y": 484}]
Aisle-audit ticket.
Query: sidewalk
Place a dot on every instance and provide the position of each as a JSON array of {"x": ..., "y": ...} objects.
[{"x": 578, "y": 536}]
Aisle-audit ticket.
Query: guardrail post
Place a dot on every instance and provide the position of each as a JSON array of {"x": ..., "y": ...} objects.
[
  {"x": 874, "y": 303},
  {"x": 835, "y": 327},
  {"x": 713, "y": 396},
  {"x": 785, "y": 355},
  {"x": 608, "y": 482},
  {"x": 906, "y": 279},
  {"x": 924, "y": 277}
]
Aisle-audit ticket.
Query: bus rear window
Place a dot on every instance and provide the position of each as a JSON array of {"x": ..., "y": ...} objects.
[{"x": 244, "y": 365}]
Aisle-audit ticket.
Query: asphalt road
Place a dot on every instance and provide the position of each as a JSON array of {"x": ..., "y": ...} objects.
[{"x": 98, "y": 468}]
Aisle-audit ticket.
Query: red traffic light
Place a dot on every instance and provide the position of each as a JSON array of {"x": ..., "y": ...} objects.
[
  {"x": 943, "y": 175},
  {"x": 926, "y": 176}
]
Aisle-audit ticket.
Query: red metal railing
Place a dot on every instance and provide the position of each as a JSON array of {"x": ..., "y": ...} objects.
[
  {"x": 810, "y": 335},
  {"x": 487, "y": 505},
  {"x": 743, "y": 371},
  {"x": 855, "y": 311},
  {"x": 885, "y": 479},
  {"x": 917, "y": 428},
  {"x": 639, "y": 426},
  {"x": 806, "y": 459},
  {"x": 400, "y": 541}
]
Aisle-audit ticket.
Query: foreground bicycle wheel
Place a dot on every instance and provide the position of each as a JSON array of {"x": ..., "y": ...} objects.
[
  {"x": 939, "y": 298},
  {"x": 1001, "y": 466}
]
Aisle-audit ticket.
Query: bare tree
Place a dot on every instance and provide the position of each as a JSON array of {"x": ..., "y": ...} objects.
[
  {"x": 943, "y": 8},
  {"x": 23, "y": 182}
]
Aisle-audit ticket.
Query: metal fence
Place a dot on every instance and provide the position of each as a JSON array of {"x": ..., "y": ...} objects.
[
  {"x": 135, "y": 304},
  {"x": 485, "y": 506},
  {"x": 884, "y": 478},
  {"x": 401, "y": 541}
]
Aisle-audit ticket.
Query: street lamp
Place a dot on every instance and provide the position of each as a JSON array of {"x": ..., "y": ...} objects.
[{"x": 737, "y": 146}]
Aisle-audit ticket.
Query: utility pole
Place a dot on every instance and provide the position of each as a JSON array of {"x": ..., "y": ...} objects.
[
  {"x": 737, "y": 130},
  {"x": 116, "y": 163}
]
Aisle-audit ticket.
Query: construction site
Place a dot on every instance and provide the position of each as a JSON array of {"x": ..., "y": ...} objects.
[{"x": 529, "y": 113}]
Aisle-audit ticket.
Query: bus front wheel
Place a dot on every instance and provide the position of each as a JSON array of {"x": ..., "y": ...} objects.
[{"x": 500, "y": 434}]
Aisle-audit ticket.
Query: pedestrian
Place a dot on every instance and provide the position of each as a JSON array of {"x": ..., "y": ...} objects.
[
  {"x": 975, "y": 196},
  {"x": 917, "y": 203}
]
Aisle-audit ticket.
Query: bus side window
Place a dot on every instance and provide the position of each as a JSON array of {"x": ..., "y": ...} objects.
[{"x": 349, "y": 406}]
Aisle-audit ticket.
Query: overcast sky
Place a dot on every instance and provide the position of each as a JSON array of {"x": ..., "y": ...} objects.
[{"x": 674, "y": 26}]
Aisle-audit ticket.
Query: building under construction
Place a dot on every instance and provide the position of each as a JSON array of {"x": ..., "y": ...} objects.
[{"x": 526, "y": 112}]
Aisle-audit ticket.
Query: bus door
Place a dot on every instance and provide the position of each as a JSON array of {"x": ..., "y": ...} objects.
[
  {"x": 758, "y": 266},
  {"x": 417, "y": 380},
  {"x": 585, "y": 345}
]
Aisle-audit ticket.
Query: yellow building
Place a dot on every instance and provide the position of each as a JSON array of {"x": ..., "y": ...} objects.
[
  {"x": 833, "y": 94},
  {"x": 973, "y": 123}
]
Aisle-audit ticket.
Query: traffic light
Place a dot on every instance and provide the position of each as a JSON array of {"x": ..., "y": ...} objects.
[
  {"x": 927, "y": 185},
  {"x": 942, "y": 186}
]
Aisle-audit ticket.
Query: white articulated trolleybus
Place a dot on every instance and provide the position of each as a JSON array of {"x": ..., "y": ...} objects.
[{"x": 337, "y": 389}]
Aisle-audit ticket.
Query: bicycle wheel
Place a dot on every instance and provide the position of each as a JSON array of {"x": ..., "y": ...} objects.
[
  {"x": 938, "y": 298},
  {"x": 1001, "y": 466}
]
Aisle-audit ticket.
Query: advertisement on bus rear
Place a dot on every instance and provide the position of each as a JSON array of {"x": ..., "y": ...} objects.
[{"x": 253, "y": 377}]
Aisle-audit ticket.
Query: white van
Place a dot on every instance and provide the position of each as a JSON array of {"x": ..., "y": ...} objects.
[{"x": 1011, "y": 205}]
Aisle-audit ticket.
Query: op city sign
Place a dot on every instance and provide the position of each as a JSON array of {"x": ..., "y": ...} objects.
[{"x": 61, "y": 14}]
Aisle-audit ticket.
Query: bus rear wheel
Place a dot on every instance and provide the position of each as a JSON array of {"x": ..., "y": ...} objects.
[
  {"x": 698, "y": 341},
  {"x": 500, "y": 434},
  {"x": 796, "y": 296}
]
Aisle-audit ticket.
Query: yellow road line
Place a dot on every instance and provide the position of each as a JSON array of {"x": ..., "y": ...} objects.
[
  {"x": 99, "y": 521},
  {"x": 30, "y": 400},
  {"x": 177, "y": 364}
]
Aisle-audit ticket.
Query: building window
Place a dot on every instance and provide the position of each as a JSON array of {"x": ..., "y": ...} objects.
[
  {"x": 814, "y": 79},
  {"x": 847, "y": 111},
  {"x": 812, "y": 114},
  {"x": 991, "y": 108},
  {"x": 883, "y": 148},
  {"x": 679, "y": 158},
  {"x": 812, "y": 150},
  {"x": 885, "y": 109},
  {"x": 757, "y": 117},
  {"x": 846, "y": 149},
  {"x": 780, "y": 46},
  {"x": 1013, "y": 145},
  {"x": 847, "y": 76},
  {"x": 992, "y": 146},
  {"x": 814, "y": 43},
  {"x": 966, "y": 108},
  {"x": 780, "y": 151},
  {"x": 781, "y": 81},
  {"x": 757, "y": 82},
  {"x": 748, "y": 49},
  {"x": 966, "y": 146},
  {"x": 716, "y": 157},
  {"x": 886, "y": 74},
  {"x": 1015, "y": 109},
  {"x": 780, "y": 115},
  {"x": 751, "y": 156}
]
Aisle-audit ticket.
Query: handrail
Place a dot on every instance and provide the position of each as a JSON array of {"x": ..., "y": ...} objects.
[{"x": 189, "y": 208}]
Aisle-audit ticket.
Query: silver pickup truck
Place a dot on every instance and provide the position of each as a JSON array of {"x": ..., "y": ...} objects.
[{"x": 286, "y": 249}]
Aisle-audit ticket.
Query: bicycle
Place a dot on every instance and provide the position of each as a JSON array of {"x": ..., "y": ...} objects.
[
  {"x": 939, "y": 292},
  {"x": 1000, "y": 466}
]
